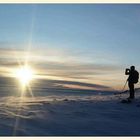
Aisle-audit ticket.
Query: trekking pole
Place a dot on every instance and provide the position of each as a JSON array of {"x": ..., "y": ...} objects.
[{"x": 122, "y": 89}]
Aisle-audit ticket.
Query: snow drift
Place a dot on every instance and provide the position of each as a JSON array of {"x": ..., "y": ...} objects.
[{"x": 91, "y": 115}]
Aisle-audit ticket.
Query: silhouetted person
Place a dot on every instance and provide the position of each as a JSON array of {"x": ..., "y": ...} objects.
[{"x": 132, "y": 79}]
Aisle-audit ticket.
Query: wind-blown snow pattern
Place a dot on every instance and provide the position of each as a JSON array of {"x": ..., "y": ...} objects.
[{"x": 92, "y": 115}]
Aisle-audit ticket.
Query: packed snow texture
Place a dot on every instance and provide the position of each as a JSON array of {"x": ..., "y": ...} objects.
[{"x": 91, "y": 115}]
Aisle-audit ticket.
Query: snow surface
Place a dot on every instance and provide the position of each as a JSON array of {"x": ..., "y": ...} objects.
[{"x": 92, "y": 115}]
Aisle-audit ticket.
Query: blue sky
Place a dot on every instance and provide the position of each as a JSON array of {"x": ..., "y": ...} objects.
[{"x": 99, "y": 39}]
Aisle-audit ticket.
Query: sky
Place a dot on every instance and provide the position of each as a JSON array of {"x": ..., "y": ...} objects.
[{"x": 83, "y": 43}]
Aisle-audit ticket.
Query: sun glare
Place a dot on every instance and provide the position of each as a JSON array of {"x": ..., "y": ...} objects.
[{"x": 25, "y": 75}]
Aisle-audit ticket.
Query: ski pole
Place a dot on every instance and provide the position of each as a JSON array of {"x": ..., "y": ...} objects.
[
  {"x": 122, "y": 90},
  {"x": 119, "y": 94},
  {"x": 123, "y": 87}
]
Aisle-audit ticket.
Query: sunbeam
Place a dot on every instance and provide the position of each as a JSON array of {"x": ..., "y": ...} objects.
[{"x": 25, "y": 73}]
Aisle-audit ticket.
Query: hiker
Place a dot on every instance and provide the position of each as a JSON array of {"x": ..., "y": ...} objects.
[{"x": 132, "y": 79}]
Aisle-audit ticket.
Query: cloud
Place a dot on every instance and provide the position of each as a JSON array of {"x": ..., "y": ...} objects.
[
  {"x": 76, "y": 70},
  {"x": 61, "y": 64},
  {"x": 10, "y": 57},
  {"x": 53, "y": 85},
  {"x": 88, "y": 85},
  {"x": 69, "y": 85}
]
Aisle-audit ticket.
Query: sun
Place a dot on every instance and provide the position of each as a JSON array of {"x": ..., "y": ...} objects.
[{"x": 24, "y": 74}]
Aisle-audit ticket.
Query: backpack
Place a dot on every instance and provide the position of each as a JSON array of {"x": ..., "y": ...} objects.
[{"x": 135, "y": 77}]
